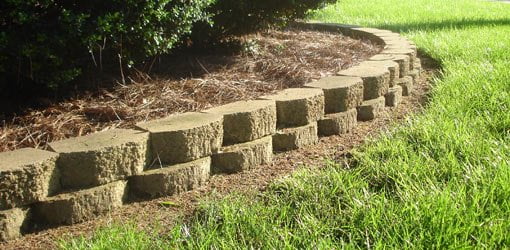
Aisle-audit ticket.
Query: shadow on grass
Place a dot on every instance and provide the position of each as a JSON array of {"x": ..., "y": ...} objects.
[{"x": 442, "y": 25}]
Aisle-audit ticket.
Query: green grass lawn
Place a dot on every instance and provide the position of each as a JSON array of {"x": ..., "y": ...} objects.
[{"x": 440, "y": 180}]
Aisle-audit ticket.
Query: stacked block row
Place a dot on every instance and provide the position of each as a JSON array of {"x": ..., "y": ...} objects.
[
  {"x": 342, "y": 95},
  {"x": 297, "y": 111},
  {"x": 247, "y": 130},
  {"x": 399, "y": 58},
  {"x": 92, "y": 175},
  {"x": 83, "y": 177},
  {"x": 396, "y": 49}
]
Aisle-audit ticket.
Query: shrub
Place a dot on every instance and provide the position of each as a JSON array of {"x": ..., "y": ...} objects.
[
  {"x": 239, "y": 17},
  {"x": 49, "y": 42}
]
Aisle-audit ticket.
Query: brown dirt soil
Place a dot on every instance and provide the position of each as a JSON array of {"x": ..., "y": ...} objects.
[
  {"x": 151, "y": 214},
  {"x": 268, "y": 62}
]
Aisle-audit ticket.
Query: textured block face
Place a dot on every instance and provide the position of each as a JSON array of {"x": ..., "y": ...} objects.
[
  {"x": 415, "y": 73},
  {"x": 407, "y": 85},
  {"x": 401, "y": 59},
  {"x": 394, "y": 96},
  {"x": 184, "y": 137},
  {"x": 26, "y": 176},
  {"x": 392, "y": 67},
  {"x": 393, "y": 43},
  {"x": 402, "y": 51},
  {"x": 341, "y": 93},
  {"x": 171, "y": 180},
  {"x": 101, "y": 158},
  {"x": 338, "y": 123},
  {"x": 294, "y": 138},
  {"x": 378, "y": 32},
  {"x": 395, "y": 37},
  {"x": 12, "y": 223},
  {"x": 370, "y": 109},
  {"x": 239, "y": 157},
  {"x": 297, "y": 106},
  {"x": 402, "y": 46},
  {"x": 246, "y": 120},
  {"x": 417, "y": 65},
  {"x": 75, "y": 207},
  {"x": 376, "y": 80}
]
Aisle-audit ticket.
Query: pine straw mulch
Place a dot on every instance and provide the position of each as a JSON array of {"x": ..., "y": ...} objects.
[{"x": 271, "y": 61}]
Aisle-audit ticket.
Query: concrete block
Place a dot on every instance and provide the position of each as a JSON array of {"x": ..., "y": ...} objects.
[
  {"x": 341, "y": 93},
  {"x": 338, "y": 123},
  {"x": 378, "y": 32},
  {"x": 13, "y": 223},
  {"x": 396, "y": 37},
  {"x": 79, "y": 206},
  {"x": 415, "y": 74},
  {"x": 370, "y": 109},
  {"x": 376, "y": 80},
  {"x": 402, "y": 60},
  {"x": 394, "y": 96},
  {"x": 402, "y": 51},
  {"x": 26, "y": 176},
  {"x": 100, "y": 158},
  {"x": 297, "y": 106},
  {"x": 170, "y": 180},
  {"x": 417, "y": 65},
  {"x": 392, "y": 67},
  {"x": 239, "y": 157},
  {"x": 407, "y": 84},
  {"x": 389, "y": 38},
  {"x": 246, "y": 120},
  {"x": 294, "y": 138},
  {"x": 403, "y": 46},
  {"x": 399, "y": 44},
  {"x": 184, "y": 137}
]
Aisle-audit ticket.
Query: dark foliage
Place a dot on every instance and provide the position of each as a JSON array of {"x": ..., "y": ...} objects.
[
  {"x": 46, "y": 44},
  {"x": 239, "y": 17},
  {"x": 49, "y": 42}
]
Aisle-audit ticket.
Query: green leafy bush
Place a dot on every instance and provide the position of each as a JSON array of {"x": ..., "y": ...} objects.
[
  {"x": 238, "y": 17},
  {"x": 49, "y": 42}
]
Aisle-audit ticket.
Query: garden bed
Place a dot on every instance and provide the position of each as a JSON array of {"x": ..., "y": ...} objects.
[{"x": 267, "y": 62}]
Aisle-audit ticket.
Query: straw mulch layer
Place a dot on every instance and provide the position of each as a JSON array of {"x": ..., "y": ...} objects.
[{"x": 268, "y": 62}]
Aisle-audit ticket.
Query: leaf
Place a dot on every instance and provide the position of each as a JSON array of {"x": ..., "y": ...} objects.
[{"x": 169, "y": 204}]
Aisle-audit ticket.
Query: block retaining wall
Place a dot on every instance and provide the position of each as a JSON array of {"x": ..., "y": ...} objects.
[{"x": 82, "y": 177}]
